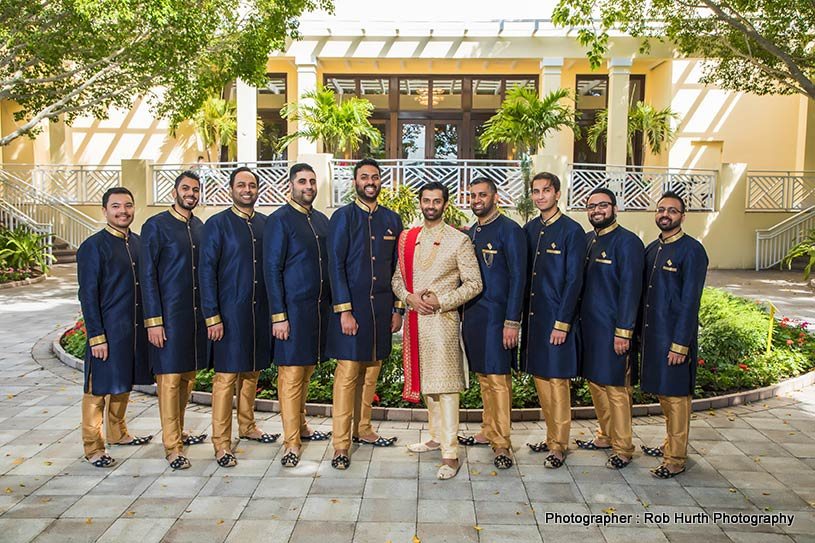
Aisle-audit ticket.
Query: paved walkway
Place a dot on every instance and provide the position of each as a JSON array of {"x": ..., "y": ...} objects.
[
  {"x": 785, "y": 289},
  {"x": 756, "y": 459}
]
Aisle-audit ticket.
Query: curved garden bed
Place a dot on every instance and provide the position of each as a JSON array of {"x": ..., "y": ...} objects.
[{"x": 735, "y": 367}]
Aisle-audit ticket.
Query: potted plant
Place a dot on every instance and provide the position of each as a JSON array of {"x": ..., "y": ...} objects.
[{"x": 655, "y": 126}]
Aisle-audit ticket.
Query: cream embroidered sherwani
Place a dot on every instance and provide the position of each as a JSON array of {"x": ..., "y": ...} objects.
[{"x": 444, "y": 264}]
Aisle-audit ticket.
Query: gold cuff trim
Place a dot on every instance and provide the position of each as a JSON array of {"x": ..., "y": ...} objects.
[
  {"x": 562, "y": 326},
  {"x": 512, "y": 324},
  {"x": 155, "y": 321},
  {"x": 623, "y": 333},
  {"x": 339, "y": 308},
  {"x": 680, "y": 349},
  {"x": 279, "y": 317},
  {"x": 97, "y": 340},
  {"x": 399, "y": 304},
  {"x": 212, "y": 321}
]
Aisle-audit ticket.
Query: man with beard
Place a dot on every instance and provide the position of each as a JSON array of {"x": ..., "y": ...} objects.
[
  {"x": 492, "y": 320},
  {"x": 675, "y": 268},
  {"x": 608, "y": 315},
  {"x": 233, "y": 297},
  {"x": 115, "y": 353},
  {"x": 296, "y": 269},
  {"x": 556, "y": 249},
  {"x": 172, "y": 310},
  {"x": 437, "y": 273},
  {"x": 361, "y": 257}
]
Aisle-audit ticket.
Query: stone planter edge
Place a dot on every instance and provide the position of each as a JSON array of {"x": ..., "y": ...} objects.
[{"x": 405, "y": 414}]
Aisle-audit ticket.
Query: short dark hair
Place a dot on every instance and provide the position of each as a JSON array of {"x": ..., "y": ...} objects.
[
  {"x": 607, "y": 192},
  {"x": 200, "y": 157},
  {"x": 552, "y": 178},
  {"x": 675, "y": 196},
  {"x": 300, "y": 167},
  {"x": 115, "y": 190},
  {"x": 189, "y": 175},
  {"x": 487, "y": 180},
  {"x": 368, "y": 161},
  {"x": 435, "y": 185},
  {"x": 236, "y": 171}
]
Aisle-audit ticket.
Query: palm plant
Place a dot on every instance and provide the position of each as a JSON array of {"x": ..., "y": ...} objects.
[
  {"x": 524, "y": 121},
  {"x": 654, "y": 125},
  {"x": 806, "y": 248},
  {"x": 22, "y": 249},
  {"x": 217, "y": 124},
  {"x": 341, "y": 125}
]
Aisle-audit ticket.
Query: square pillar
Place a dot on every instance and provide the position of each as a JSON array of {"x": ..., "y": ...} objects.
[
  {"x": 550, "y": 80},
  {"x": 306, "y": 82},
  {"x": 247, "y": 98},
  {"x": 618, "y": 92}
]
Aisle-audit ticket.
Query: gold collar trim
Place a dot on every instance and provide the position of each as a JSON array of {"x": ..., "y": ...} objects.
[
  {"x": 114, "y": 232},
  {"x": 302, "y": 209},
  {"x": 492, "y": 218},
  {"x": 671, "y": 239},
  {"x": 558, "y": 214},
  {"x": 608, "y": 229},
  {"x": 176, "y": 215},
  {"x": 241, "y": 214},
  {"x": 364, "y": 207}
]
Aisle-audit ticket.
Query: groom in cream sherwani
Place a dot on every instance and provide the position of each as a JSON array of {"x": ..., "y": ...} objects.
[{"x": 437, "y": 273}]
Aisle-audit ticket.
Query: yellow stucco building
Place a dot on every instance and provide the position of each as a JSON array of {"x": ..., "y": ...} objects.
[{"x": 435, "y": 73}]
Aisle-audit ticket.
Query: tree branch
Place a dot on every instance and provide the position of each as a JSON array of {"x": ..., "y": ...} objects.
[{"x": 741, "y": 24}]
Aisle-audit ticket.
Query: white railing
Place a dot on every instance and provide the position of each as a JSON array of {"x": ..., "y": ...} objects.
[
  {"x": 76, "y": 183},
  {"x": 274, "y": 179},
  {"x": 12, "y": 218},
  {"x": 67, "y": 223},
  {"x": 639, "y": 188},
  {"x": 780, "y": 190},
  {"x": 772, "y": 244},
  {"x": 455, "y": 174}
]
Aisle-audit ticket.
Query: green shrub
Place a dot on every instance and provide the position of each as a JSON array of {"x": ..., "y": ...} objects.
[
  {"x": 732, "y": 346},
  {"x": 23, "y": 251}
]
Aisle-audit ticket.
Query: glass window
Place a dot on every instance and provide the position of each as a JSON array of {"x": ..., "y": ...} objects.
[
  {"x": 414, "y": 94},
  {"x": 445, "y": 140},
  {"x": 527, "y": 82},
  {"x": 273, "y": 95},
  {"x": 487, "y": 93},
  {"x": 413, "y": 141},
  {"x": 592, "y": 92},
  {"x": 376, "y": 91},
  {"x": 446, "y": 94}
]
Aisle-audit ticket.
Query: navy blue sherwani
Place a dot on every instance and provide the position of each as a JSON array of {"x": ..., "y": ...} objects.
[
  {"x": 556, "y": 252},
  {"x": 233, "y": 290},
  {"x": 612, "y": 285},
  {"x": 296, "y": 271},
  {"x": 169, "y": 283},
  {"x": 362, "y": 249},
  {"x": 107, "y": 270},
  {"x": 500, "y": 247},
  {"x": 674, "y": 278}
]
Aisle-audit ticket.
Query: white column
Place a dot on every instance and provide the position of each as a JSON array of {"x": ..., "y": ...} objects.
[
  {"x": 618, "y": 91},
  {"x": 247, "y": 98},
  {"x": 550, "y": 80},
  {"x": 306, "y": 82}
]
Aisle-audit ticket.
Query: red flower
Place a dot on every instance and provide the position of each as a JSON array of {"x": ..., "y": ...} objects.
[
  {"x": 376, "y": 398},
  {"x": 744, "y": 367},
  {"x": 789, "y": 342},
  {"x": 701, "y": 362}
]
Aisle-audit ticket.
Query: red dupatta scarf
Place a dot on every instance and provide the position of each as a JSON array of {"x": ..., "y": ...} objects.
[{"x": 410, "y": 343}]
